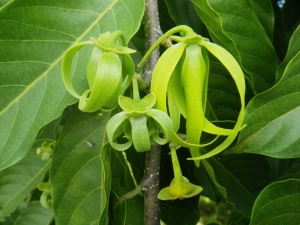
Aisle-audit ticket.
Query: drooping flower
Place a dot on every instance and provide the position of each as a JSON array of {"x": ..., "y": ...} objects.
[
  {"x": 180, "y": 186},
  {"x": 180, "y": 84},
  {"x": 109, "y": 72},
  {"x": 139, "y": 123}
]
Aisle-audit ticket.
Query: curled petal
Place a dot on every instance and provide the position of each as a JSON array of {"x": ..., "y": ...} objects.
[
  {"x": 112, "y": 127},
  {"x": 66, "y": 67},
  {"x": 236, "y": 72},
  {"x": 164, "y": 122}
]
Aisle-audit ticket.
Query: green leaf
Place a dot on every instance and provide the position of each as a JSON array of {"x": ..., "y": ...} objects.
[
  {"x": 35, "y": 214},
  {"x": 180, "y": 212},
  {"x": 272, "y": 118},
  {"x": 293, "y": 49},
  {"x": 265, "y": 15},
  {"x": 122, "y": 183},
  {"x": 4, "y": 2},
  {"x": 80, "y": 171},
  {"x": 235, "y": 26},
  {"x": 252, "y": 171},
  {"x": 229, "y": 186},
  {"x": 34, "y": 37},
  {"x": 183, "y": 13},
  {"x": 277, "y": 204},
  {"x": 17, "y": 181}
]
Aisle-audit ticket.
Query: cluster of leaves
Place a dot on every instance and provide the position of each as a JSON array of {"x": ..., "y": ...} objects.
[{"x": 87, "y": 176}]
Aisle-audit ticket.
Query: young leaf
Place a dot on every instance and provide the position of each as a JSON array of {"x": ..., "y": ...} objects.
[
  {"x": 278, "y": 203},
  {"x": 35, "y": 214},
  {"x": 17, "y": 181},
  {"x": 34, "y": 37},
  {"x": 80, "y": 173}
]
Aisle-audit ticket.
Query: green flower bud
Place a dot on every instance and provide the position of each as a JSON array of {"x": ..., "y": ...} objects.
[{"x": 108, "y": 71}]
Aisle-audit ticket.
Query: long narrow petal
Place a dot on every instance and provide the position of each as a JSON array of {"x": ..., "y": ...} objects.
[
  {"x": 165, "y": 124},
  {"x": 236, "y": 72},
  {"x": 162, "y": 73},
  {"x": 193, "y": 80},
  {"x": 140, "y": 133}
]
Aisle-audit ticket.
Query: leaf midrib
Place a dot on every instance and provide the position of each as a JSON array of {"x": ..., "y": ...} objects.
[{"x": 61, "y": 56}]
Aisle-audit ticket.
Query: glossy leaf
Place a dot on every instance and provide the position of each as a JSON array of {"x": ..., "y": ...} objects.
[
  {"x": 129, "y": 211},
  {"x": 272, "y": 118},
  {"x": 229, "y": 186},
  {"x": 35, "y": 214},
  {"x": 265, "y": 15},
  {"x": 79, "y": 174},
  {"x": 293, "y": 49},
  {"x": 278, "y": 204},
  {"x": 179, "y": 212},
  {"x": 32, "y": 90},
  {"x": 235, "y": 26},
  {"x": 17, "y": 182},
  {"x": 252, "y": 171},
  {"x": 183, "y": 13}
]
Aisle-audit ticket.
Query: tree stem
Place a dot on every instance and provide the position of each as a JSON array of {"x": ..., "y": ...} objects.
[{"x": 150, "y": 182}]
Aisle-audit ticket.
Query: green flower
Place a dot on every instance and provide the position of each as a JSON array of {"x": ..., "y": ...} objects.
[
  {"x": 46, "y": 196},
  {"x": 139, "y": 122},
  {"x": 180, "y": 79},
  {"x": 46, "y": 150},
  {"x": 180, "y": 186},
  {"x": 109, "y": 72}
]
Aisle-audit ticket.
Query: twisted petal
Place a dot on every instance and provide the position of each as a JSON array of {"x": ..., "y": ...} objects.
[
  {"x": 234, "y": 69},
  {"x": 66, "y": 67},
  {"x": 165, "y": 123},
  {"x": 112, "y": 127},
  {"x": 107, "y": 83}
]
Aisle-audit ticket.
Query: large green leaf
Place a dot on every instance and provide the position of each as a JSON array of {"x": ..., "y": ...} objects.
[
  {"x": 183, "y": 13},
  {"x": 293, "y": 49},
  {"x": 34, "y": 36},
  {"x": 80, "y": 170},
  {"x": 264, "y": 12},
  {"x": 35, "y": 214},
  {"x": 278, "y": 203},
  {"x": 252, "y": 171},
  {"x": 17, "y": 181},
  {"x": 232, "y": 189},
  {"x": 272, "y": 118},
  {"x": 129, "y": 211},
  {"x": 235, "y": 26}
]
